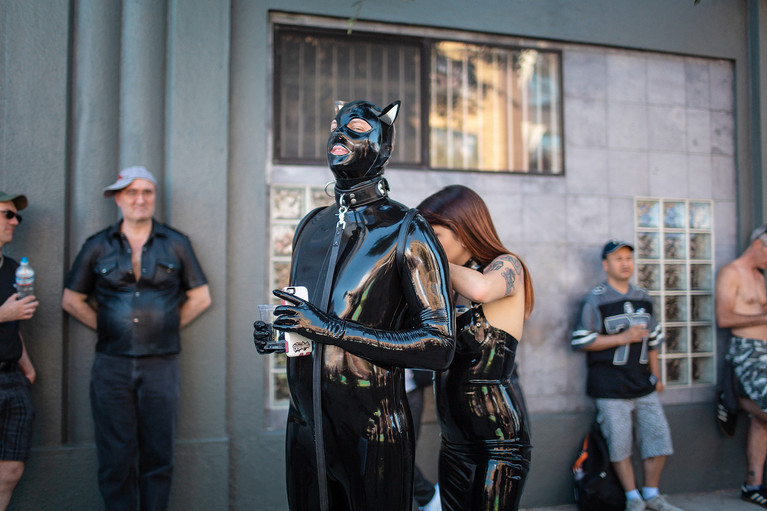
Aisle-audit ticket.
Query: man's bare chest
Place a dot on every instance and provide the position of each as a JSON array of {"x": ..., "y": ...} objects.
[{"x": 752, "y": 292}]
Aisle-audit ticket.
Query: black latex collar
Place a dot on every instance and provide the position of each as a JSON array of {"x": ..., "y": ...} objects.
[{"x": 362, "y": 193}]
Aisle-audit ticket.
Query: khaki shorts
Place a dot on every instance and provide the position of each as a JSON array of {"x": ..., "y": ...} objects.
[{"x": 617, "y": 417}]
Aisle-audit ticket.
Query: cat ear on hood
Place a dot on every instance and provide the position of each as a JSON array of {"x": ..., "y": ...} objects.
[
  {"x": 338, "y": 106},
  {"x": 389, "y": 114}
]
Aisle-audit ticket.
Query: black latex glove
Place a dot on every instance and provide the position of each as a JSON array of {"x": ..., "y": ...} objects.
[
  {"x": 262, "y": 338},
  {"x": 384, "y": 347},
  {"x": 306, "y": 320}
]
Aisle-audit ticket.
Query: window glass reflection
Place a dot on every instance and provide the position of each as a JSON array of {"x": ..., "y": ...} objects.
[{"x": 494, "y": 109}]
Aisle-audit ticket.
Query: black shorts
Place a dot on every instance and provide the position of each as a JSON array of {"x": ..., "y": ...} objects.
[{"x": 16, "y": 416}]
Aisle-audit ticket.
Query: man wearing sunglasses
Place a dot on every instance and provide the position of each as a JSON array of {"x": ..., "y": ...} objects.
[
  {"x": 148, "y": 285},
  {"x": 741, "y": 306},
  {"x": 16, "y": 370}
]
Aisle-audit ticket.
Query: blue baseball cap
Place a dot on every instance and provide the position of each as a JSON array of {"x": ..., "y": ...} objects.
[{"x": 613, "y": 245}]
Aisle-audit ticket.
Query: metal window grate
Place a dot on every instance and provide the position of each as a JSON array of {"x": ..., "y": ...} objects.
[{"x": 465, "y": 106}]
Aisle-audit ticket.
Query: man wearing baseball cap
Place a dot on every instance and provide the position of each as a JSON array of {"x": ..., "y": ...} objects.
[
  {"x": 16, "y": 370},
  {"x": 148, "y": 285},
  {"x": 620, "y": 335}
]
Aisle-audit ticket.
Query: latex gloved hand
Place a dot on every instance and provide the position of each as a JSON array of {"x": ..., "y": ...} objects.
[
  {"x": 262, "y": 338},
  {"x": 306, "y": 320},
  {"x": 384, "y": 347}
]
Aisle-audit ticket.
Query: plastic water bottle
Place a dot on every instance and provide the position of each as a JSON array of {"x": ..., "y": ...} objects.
[{"x": 25, "y": 279}]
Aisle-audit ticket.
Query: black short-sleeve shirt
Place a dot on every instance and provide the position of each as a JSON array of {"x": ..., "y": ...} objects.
[
  {"x": 10, "y": 340},
  {"x": 137, "y": 317}
]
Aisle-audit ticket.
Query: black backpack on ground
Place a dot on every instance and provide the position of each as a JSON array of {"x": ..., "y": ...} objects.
[{"x": 595, "y": 483}]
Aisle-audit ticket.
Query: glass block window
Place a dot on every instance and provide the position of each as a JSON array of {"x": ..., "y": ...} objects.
[
  {"x": 464, "y": 106},
  {"x": 675, "y": 264},
  {"x": 288, "y": 205}
]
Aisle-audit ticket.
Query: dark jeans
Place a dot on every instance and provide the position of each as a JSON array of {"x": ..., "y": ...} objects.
[{"x": 135, "y": 408}]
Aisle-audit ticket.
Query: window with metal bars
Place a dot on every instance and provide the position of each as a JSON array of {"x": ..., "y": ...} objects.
[{"x": 465, "y": 106}]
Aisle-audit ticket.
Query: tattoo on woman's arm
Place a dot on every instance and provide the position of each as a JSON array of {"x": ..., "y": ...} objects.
[
  {"x": 509, "y": 274},
  {"x": 511, "y": 278}
]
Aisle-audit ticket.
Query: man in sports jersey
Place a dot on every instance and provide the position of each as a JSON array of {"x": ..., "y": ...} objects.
[
  {"x": 620, "y": 336},
  {"x": 741, "y": 306}
]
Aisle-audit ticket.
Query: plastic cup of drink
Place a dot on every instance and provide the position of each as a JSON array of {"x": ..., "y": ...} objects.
[{"x": 266, "y": 310}]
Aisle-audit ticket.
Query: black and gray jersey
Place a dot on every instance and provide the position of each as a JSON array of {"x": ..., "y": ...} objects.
[{"x": 620, "y": 372}]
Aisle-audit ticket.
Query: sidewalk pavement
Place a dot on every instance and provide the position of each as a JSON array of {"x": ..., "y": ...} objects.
[{"x": 722, "y": 500}]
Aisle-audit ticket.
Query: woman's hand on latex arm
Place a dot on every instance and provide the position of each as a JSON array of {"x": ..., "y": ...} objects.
[
  {"x": 502, "y": 277},
  {"x": 465, "y": 332}
]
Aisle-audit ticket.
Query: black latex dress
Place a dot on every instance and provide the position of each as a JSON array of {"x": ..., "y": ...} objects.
[{"x": 485, "y": 452}]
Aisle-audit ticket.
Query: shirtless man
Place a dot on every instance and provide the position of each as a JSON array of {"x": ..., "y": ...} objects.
[{"x": 741, "y": 306}]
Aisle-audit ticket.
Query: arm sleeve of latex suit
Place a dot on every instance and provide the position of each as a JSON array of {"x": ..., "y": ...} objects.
[{"x": 427, "y": 343}]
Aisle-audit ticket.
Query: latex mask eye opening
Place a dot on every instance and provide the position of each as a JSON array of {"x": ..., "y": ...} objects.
[{"x": 359, "y": 125}]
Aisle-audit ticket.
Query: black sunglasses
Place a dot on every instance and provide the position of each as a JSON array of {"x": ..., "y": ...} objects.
[{"x": 10, "y": 214}]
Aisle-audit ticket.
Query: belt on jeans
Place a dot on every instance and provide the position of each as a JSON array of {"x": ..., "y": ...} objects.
[{"x": 7, "y": 366}]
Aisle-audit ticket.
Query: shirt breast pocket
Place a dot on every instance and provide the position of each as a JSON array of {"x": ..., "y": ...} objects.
[
  {"x": 107, "y": 270},
  {"x": 166, "y": 273}
]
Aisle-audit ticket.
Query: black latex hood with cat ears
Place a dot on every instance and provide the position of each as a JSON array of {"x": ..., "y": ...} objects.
[{"x": 361, "y": 140}]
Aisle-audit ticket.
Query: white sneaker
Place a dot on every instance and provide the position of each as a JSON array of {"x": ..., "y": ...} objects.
[
  {"x": 435, "y": 504},
  {"x": 635, "y": 505},
  {"x": 659, "y": 503}
]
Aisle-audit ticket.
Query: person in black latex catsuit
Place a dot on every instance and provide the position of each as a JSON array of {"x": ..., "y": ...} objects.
[
  {"x": 485, "y": 452},
  {"x": 379, "y": 301}
]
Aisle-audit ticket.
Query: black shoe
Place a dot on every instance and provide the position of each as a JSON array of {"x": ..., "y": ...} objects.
[
  {"x": 725, "y": 419},
  {"x": 754, "y": 496}
]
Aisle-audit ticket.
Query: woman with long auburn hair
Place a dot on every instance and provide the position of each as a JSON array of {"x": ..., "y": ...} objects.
[{"x": 485, "y": 451}]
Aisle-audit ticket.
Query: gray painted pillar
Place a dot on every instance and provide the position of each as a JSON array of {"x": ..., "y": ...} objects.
[
  {"x": 756, "y": 41},
  {"x": 196, "y": 184},
  {"x": 142, "y": 89},
  {"x": 33, "y": 127},
  {"x": 94, "y": 165},
  {"x": 256, "y": 482},
  {"x": 761, "y": 190}
]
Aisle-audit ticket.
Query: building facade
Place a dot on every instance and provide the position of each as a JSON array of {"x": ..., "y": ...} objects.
[{"x": 577, "y": 122}]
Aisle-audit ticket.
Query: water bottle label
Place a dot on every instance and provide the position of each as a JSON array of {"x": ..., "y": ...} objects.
[{"x": 25, "y": 279}]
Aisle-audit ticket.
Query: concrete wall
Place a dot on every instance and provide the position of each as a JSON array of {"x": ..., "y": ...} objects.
[
  {"x": 758, "y": 70},
  {"x": 184, "y": 87}
]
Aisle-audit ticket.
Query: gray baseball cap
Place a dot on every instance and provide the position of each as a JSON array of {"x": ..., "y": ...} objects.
[
  {"x": 20, "y": 201},
  {"x": 126, "y": 177}
]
